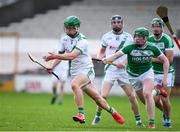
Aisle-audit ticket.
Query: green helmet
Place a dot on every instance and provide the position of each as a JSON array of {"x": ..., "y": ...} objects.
[
  {"x": 141, "y": 31},
  {"x": 72, "y": 21},
  {"x": 157, "y": 22}
]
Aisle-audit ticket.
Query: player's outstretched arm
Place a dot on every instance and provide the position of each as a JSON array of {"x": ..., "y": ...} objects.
[
  {"x": 112, "y": 57},
  {"x": 65, "y": 56},
  {"x": 101, "y": 53}
]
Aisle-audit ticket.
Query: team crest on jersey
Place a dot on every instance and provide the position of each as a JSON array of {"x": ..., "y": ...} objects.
[
  {"x": 112, "y": 47},
  {"x": 117, "y": 38},
  {"x": 160, "y": 45},
  {"x": 141, "y": 53}
]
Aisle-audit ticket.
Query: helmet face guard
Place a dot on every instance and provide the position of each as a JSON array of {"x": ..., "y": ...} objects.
[
  {"x": 157, "y": 22},
  {"x": 71, "y": 25},
  {"x": 116, "y": 23},
  {"x": 140, "y": 36},
  {"x": 116, "y": 17},
  {"x": 157, "y": 26}
]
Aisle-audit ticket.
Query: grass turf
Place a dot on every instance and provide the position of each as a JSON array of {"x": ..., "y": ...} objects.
[{"x": 25, "y": 111}]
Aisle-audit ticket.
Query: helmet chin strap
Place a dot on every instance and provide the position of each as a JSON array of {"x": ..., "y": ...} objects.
[
  {"x": 116, "y": 30},
  {"x": 142, "y": 44},
  {"x": 72, "y": 35},
  {"x": 156, "y": 34}
]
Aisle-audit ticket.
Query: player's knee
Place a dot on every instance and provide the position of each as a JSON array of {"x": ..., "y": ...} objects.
[
  {"x": 104, "y": 97},
  {"x": 74, "y": 86},
  {"x": 147, "y": 94},
  {"x": 131, "y": 96}
]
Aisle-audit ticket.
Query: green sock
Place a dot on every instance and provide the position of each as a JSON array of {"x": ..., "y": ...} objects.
[
  {"x": 98, "y": 113},
  {"x": 81, "y": 110},
  {"x": 137, "y": 117},
  {"x": 151, "y": 121},
  {"x": 111, "y": 110},
  {"x": 157, "y": 92}
]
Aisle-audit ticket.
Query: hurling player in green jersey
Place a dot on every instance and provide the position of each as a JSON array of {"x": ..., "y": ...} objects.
[
  {"x": 139, "y": 68},
  {"x": 165, "y": 44},
  {"x": 112, "y": 41}
]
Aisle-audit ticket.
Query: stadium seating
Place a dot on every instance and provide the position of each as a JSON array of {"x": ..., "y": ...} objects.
[{"x": 95, "y": 17}]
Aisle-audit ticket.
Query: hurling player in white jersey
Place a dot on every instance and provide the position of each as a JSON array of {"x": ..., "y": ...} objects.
[
  {"x": 74, "y": 47},
  {"x": 139, "y": 68},
  {"x": 113, "y": 41}
]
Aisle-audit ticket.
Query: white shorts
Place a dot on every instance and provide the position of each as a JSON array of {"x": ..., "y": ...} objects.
[
  {"x": 170, "y": 79},
  {"x": 87, "y": 71},
  {"x": 120, "y": 76},
  {"x": 136, "y": 82}
]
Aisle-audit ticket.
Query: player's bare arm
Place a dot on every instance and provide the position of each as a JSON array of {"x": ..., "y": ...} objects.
[
  {"x": 65, "y": 56},
  {"x": 112, "y": 57},
  {"x": 122, "y": 64},
  {"x": 169, "y": 54},
  {"x": 165, "y": 62},
  {"x": 101, "y": 53},
  {"x": 52, "y": 64}
]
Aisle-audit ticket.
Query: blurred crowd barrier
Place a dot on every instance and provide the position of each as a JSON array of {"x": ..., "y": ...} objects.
[{"x": 14, "y": 69}]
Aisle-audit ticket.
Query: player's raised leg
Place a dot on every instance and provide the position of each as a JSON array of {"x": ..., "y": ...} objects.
[{"x": 101, "y": 102}]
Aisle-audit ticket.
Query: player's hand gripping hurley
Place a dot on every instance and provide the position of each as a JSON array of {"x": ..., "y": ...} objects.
[
  {"x": 162, "y": 11},
  {"x": 100, "y": 60},
  {"x": 36, "y": 61}
]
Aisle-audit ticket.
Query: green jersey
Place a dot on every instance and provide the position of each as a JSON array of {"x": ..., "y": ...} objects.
[
  {"x": 139, "y": 59},
  {"x": 164, "y": 43}
]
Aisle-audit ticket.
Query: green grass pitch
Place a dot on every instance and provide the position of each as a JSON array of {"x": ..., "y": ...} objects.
[{"x": 24, "y": 111}]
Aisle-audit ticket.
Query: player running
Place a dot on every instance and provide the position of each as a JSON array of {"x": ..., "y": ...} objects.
[
  {"x": 74, "y": 47},
  {"x": 61, "y": 70},
  {"x": 111, "y": 42},
  {"x": 140, "y": 70},
  {"x": 165, "y": 44}
]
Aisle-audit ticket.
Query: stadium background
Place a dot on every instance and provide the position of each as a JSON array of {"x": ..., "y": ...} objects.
[{"x": 36, "y": 25}]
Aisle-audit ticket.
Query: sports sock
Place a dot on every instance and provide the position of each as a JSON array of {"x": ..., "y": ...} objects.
[
  {"x": 111, "y": 110},
  {"x": 98, "y": 113},
  {"x": 81, "y": 110},
  {"x": 137, "y": 117},
  {"x": 164, "y": 116},
  {"x": 155, "y": 92},
  {"x": 151, "y": 121}
]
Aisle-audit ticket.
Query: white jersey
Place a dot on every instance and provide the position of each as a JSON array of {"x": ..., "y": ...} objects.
[
  {"x": 83, "y": 61},
  {"x": 113, "y": 42}
]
